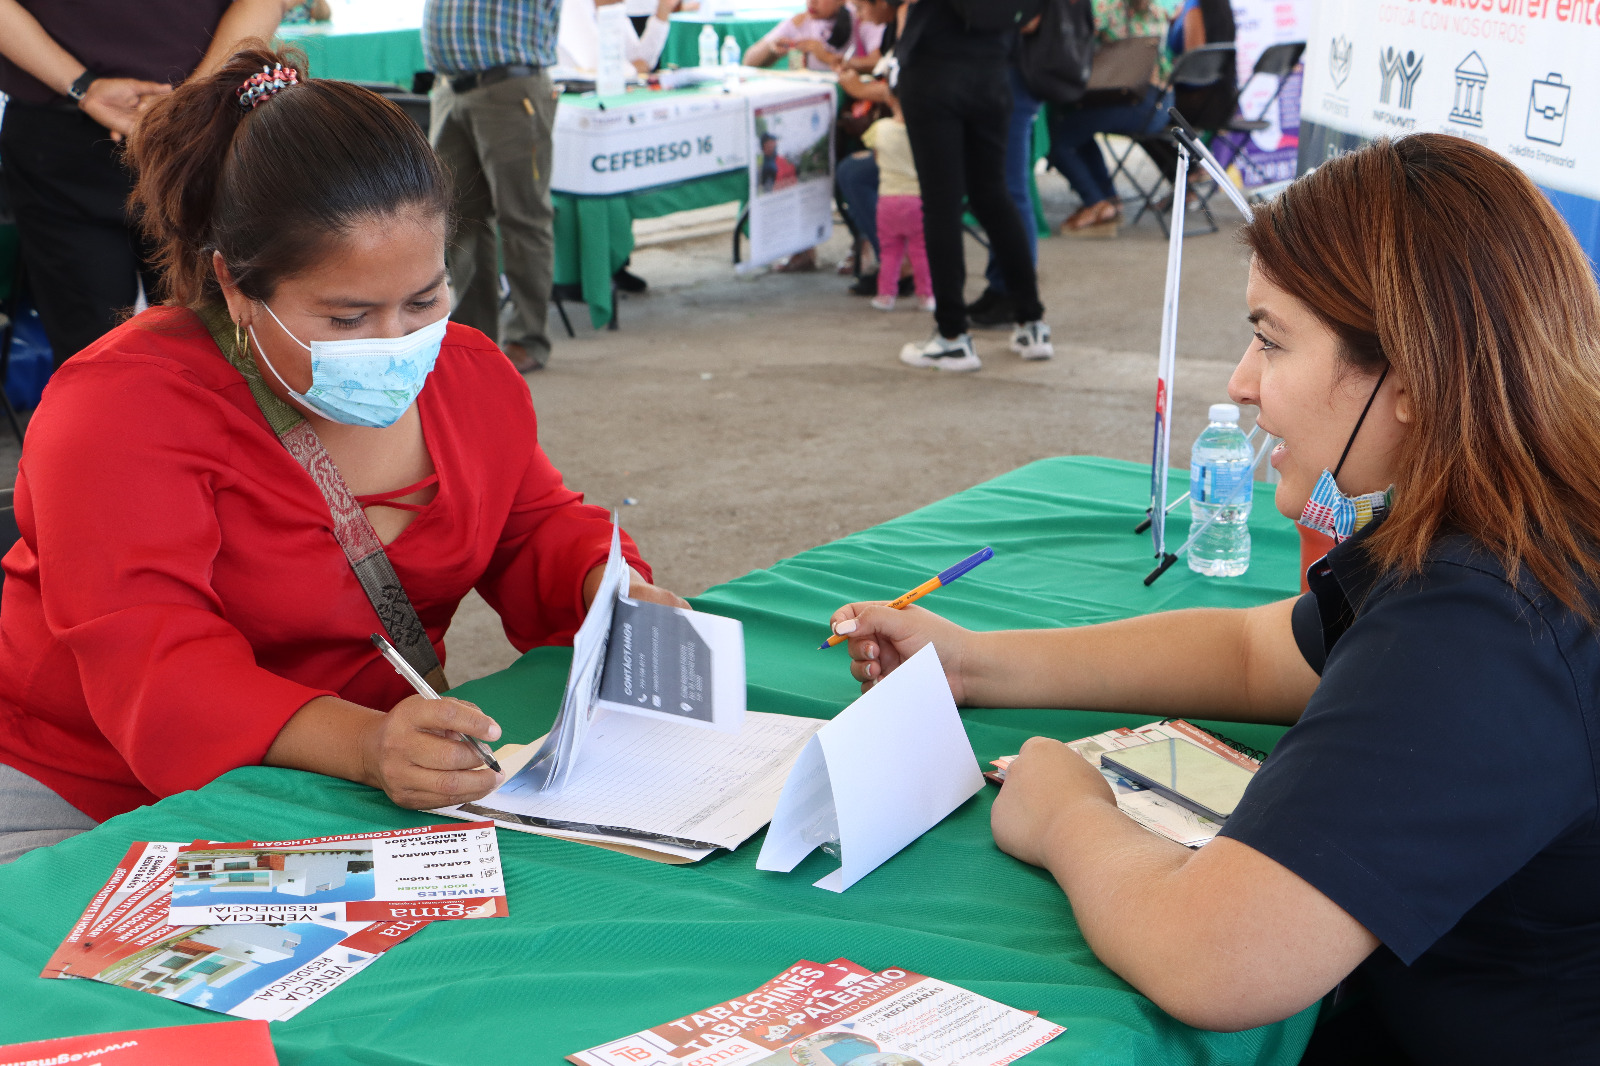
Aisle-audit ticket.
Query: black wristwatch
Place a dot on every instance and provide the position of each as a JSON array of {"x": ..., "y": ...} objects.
[{"x": 80, "y": 88}]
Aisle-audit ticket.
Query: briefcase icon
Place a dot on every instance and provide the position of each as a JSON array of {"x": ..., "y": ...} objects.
[{"x": 1547, "y": 110}]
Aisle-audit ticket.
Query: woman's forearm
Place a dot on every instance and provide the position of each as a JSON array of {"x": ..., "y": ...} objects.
[
  {"x": 1240, "y": 665},
  {"x": 243, "y": 20},
  {"x": 24, "y": 42},
  {"x": 327, "y": 736}
]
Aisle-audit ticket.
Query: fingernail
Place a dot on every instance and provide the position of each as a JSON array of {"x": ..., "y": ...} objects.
[
  {"x": 494, "y": 730},
  {"x": 872, "y": 651},
  {"x": 845, "y": 628}
]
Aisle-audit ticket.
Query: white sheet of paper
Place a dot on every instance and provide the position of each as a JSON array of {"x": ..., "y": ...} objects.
[
  {"x": 667, "y": 779},
  {"x": 889, "y": 768},
  {"x": 551, "y": 765}
]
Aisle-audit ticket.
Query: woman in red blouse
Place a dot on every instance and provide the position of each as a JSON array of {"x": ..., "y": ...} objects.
[{"x": 178, "y": 604}]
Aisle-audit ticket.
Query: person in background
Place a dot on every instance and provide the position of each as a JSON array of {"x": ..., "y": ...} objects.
[
  {"x": 1426, "y": 834},
  {"x": 899, "y": 225},
  {"x": 78, "y": 76},
  {"x": 994, "y": 308},
  {"x": 210, "y": 618},
  {"x": 578, "y": 40},
  {"x": 856, "y": 172},
  {"x": 641, "y": 11},
  {"x": 827, "y": 32},
  {"x": 493, "y": 113},
  {"x": 1073, "y": 148},
  {"x": 955, "y": 92}
]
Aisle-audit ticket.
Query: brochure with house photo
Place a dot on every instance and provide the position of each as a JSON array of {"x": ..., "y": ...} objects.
[
  {"x": 432, "y": 873},
  {"x": 267, "y": 972}
]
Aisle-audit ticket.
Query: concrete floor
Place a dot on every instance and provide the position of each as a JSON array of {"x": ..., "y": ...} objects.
[{"x": 754, "y": 417}]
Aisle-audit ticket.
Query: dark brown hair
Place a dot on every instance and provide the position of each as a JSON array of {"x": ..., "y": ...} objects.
[
  {"x": 270, "y": 188},
  {"x": 1442, "y": 260}
]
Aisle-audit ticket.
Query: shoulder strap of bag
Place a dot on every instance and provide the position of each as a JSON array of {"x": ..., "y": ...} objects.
[{"x": 351, "y": 528}]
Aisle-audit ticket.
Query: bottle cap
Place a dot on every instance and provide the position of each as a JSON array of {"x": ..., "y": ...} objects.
[{"x": 1224, "y": 412}]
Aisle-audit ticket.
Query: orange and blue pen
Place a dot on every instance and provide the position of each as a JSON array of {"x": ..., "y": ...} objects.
[{"x": 937, "y": 581}]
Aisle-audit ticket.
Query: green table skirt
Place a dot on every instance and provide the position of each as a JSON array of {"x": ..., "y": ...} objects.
[
  {"x": 391, "y": 56},
  {"x": 600, "y": 945},
  {"x": 594, "y": 234}
]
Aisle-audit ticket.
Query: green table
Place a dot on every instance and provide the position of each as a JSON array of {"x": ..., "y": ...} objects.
[
  {"x": 599, "y": 945},
  {"x": 594, "y": 234},
  {"x": 374, "y": 47},
  {"x": 683, "y": 35}
]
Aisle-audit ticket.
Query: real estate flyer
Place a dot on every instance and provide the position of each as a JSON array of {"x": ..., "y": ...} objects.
[
  {"x": 431, "y": 873},
  {"x": 837, "y": 1014},
  {"x": 246, "y": 1044},
  {"x": 268, "y": 972}
]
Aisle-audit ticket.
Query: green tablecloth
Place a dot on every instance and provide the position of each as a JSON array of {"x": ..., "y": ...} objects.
[
  {"x": 683, "y": 36},
  {"x": 599, "y": 945},
  {"x": 594, "y": 234},
  {"x": 389, "y": 56}
]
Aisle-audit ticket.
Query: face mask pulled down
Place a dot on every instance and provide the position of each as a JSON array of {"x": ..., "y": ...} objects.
[
  {"x": 1332, "y": 513},
  {"x": 364, "y": 381}
]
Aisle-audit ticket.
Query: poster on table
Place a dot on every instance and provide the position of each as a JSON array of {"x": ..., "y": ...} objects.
[
  {"x": 791, "y": 172},
  {"x": 1514, "y": 75},
  {"x": 1268, "y": 155}
]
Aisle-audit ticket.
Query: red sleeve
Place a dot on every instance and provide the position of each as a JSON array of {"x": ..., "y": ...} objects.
[
  {"x": 550, "y": 542},
  {"x": 122, "y": 481}
]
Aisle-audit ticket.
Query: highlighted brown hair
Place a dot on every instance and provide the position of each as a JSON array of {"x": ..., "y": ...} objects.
[
  {"x": 1442, "y": 259},
  {"x": 271, "y": 188}
]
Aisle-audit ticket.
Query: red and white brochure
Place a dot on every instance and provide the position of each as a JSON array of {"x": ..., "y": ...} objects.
[
  {"x": 837, "y": 1012},
  {"x": 251, "y": 970},
  {"x": 431, "y": 873},
  {"x": 246, "y": 1044}
]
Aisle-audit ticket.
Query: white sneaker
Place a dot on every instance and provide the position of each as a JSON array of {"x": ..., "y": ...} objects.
[
  {"x": 883, "y": 303},
  {"x": 1031, "y": 340},
  {"x": 928, "y": 304},
  {"x": 942, "y": 354}
]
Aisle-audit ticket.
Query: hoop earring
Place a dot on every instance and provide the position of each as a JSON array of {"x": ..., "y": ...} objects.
[{"x": 241, "y": 343}]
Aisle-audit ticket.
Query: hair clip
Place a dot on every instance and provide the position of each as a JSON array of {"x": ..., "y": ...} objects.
[{"x": 259, "y": 88}]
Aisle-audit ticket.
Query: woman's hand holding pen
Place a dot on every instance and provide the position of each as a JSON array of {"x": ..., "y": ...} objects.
[
  {"x": 881, "y": 638},
  {"x": 413, "y": 754}
]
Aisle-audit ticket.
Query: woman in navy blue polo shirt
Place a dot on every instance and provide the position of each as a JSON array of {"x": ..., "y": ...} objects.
[{"x": 1427, "y": 346}]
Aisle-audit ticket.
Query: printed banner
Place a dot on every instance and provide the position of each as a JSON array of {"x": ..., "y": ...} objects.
[
  {"x": 650, "y": 140},
  {"x": 791, "y": 172},
  {"x": 1513, "y": 75}
]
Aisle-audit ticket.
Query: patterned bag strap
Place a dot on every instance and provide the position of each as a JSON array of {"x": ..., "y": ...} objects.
[{"x": 351, "y": 528}]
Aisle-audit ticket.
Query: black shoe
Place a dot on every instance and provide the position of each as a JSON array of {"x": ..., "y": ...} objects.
[
  {"x": 629, "y": 282},
  {"x": 908, "y": 286},
  {"x": 992, "y": 310},
  {"x": 866, "y": 285}
]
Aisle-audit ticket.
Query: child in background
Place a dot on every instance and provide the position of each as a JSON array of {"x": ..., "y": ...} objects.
[{"x": 899, "y": 211}]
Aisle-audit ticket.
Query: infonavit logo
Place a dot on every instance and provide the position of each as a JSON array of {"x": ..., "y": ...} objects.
[{"x": 1405, "y": 68}]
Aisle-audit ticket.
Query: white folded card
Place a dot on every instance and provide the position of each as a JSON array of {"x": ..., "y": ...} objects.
[{"x": 889, "y": 768}]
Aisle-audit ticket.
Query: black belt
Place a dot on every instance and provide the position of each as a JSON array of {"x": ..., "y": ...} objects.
[{"x": 483, "y": 79}]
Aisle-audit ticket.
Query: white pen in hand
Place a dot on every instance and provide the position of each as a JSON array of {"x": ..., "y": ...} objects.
[{"x": 425, "y": 690}]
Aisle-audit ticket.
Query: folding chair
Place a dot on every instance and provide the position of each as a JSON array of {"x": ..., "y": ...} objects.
[
  {"x": 1276, "y": 62},
  {"x": 1198, "y": 68}
]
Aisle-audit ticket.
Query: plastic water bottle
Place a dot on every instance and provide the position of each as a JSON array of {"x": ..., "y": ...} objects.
[
  {"x": 731, "y": 52},
  {"x": 1220, "y": 484},
  {"x": 708, "y": 45}
]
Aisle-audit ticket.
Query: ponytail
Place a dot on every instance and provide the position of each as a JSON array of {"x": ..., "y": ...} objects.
[
  {"x": 844, "y": 24},
  {"x": 270, "y": 187}
]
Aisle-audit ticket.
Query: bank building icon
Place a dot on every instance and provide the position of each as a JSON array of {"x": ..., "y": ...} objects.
[{"x": 1471, "y": 78}]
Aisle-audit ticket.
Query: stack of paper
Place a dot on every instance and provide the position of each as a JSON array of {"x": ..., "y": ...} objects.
[
  {"x": 292, "y": 939},
  {"x": 838, "y": 1012},
  {"x": 1160, "y": 816}
]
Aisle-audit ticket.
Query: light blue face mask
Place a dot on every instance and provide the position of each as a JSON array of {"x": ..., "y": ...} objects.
[{"x": 366, "y": 381}]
